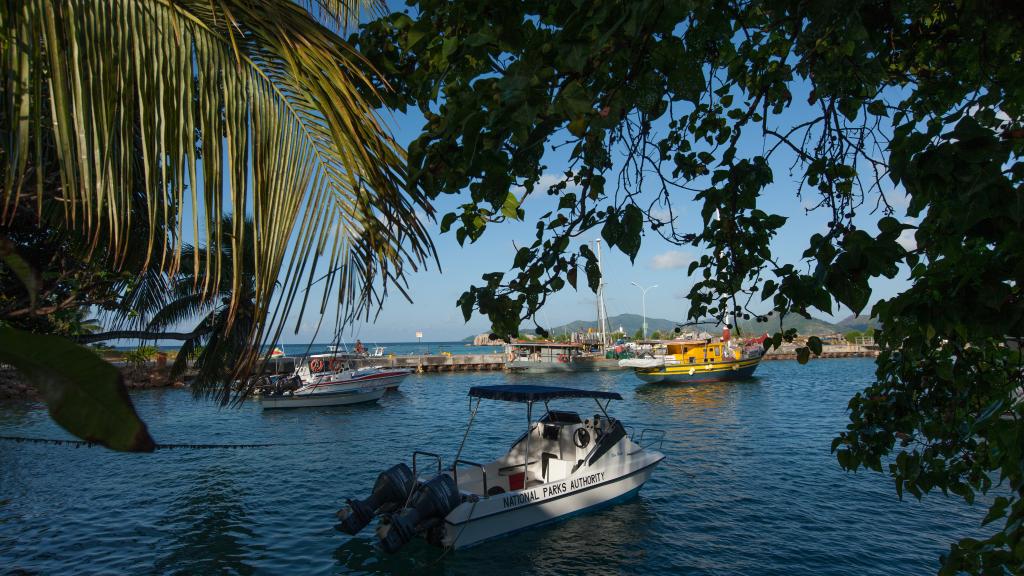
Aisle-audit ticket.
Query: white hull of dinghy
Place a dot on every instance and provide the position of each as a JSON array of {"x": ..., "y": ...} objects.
[
  {"x": 355, "y": 396},
  {"x": 503, "y": 514}
]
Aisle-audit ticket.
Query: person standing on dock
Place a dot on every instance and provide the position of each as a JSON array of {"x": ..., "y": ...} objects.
[{"x": 360, "y": 349}]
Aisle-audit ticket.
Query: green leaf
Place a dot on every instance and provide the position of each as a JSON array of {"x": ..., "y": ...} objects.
[
  {"x": 593, "y": 275},
  {"x": 612, "y": 229},
  {"x": 447, "y": 221},
  {"x": 849, "y": 107},
  {"x": 803, "y": 354},
  {"x": 997, "y": 510},
  {"x": 814, "y": 343},
  {"x": 523, "y": 256},
  {"x": 84, "y": 393},
  {"x": 511, "y": 207},
  {"x": 578, "y": 127},
  {"x": 852, "y": 294},
  {"x": 466, "y": 302},
  {"x": 28, "y": 275},
  {"x": 632, "y": 226}
]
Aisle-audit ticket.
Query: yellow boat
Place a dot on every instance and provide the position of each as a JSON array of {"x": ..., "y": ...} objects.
[{"x": 700, "y": 361}]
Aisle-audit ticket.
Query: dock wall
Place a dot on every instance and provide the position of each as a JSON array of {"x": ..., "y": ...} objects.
[
  {"x": 788, "y": 352},
  {"x": 440, "y": 362}
]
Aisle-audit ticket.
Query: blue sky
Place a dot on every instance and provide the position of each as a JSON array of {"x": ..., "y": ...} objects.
[{"x": 435, "y": 292}]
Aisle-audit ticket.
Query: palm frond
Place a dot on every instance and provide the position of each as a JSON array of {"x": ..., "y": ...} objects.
[
  {"x": 341, "y": 14},
  {"x": 180, "y": 310},
  {"x": 224, "y": 107}
]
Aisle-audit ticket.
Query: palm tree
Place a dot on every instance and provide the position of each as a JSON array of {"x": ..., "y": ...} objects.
[
  {"x": 158, "y": 304},
  {"x": 207, "y": 109}
]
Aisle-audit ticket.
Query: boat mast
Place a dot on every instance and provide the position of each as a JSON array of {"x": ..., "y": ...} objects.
[{"x": 602, "y": 312}]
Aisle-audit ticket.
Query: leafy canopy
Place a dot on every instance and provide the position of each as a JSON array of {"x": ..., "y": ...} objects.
[{"x": 652, "y": 100}]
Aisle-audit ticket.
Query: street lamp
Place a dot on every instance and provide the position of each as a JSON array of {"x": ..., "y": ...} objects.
[{"x": 643, "y": 299}]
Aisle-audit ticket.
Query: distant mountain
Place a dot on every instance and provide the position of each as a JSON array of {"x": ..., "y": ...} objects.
[
  {"x": 858, "y": 323},
  {"x": 804, "y": 326},
  {"x": 632, "y": 322},
  {"x": 629, "y": 323}
]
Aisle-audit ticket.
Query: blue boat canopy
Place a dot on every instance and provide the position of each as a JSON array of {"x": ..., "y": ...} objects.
[{"x": 530, "y": 393}]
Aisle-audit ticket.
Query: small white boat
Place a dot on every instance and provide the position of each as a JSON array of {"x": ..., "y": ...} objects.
[
  {"x": 298, "y": 399},
  {"x": 326, "y": 380},
  {"x": 322, "y": 372},
  {"x": 562, "y": 465}
]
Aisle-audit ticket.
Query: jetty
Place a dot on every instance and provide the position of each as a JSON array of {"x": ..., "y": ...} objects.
[
  {"x": 440, "y": 362},
  {"x": 418, "y": 362},
  {"x": 788, "y": 352}
]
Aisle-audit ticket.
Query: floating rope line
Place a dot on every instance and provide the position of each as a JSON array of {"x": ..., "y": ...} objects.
[{"x": 80, "y": 443}]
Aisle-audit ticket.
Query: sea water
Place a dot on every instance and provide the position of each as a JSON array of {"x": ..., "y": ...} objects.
[{"x": 748, "y": 486}]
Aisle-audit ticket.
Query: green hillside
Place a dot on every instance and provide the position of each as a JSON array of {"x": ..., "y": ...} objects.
[
  {"x": 632, "y": 322},
  {"x": 804, "y": 326},
  {"x": 858, "y": 323}
]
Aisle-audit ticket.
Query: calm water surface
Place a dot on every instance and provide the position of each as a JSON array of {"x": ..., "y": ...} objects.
[{"x": 748, "y": 487}]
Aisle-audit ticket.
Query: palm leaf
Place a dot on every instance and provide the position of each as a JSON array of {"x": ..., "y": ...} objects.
[{"x": 212, "y": 108}]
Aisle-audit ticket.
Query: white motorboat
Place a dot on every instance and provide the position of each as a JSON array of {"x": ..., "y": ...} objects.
[
  {"x": 562, "y": 465},
  {"x": 299, "y": 399},
  {"x": 326, "y": 380},
  {"x": 323, "y": 372}
]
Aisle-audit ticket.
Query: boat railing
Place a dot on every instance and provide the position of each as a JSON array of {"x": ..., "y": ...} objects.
[
  {"x": 415, "y": 471},
  {"x": 652, "y": 435},
  {"x": 483, "y": 472}
]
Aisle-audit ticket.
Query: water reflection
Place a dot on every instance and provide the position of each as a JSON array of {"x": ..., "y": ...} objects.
[
  {"x": 209, "y": 525},
  {"x": 696, "y": 394},
  {"x": 555, "y": 548}
]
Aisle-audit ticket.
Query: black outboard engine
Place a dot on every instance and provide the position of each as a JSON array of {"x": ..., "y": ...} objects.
[
  {"x": 390, "y": 491},
  {"x": 433, "y": 501}
]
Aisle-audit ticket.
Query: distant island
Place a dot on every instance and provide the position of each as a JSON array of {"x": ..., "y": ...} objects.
[{"x": 630, "y": 323}]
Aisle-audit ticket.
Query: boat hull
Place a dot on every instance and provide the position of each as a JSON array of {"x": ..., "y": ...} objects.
[
  {"x": 715, "y": 372},
  {"x": 390, "y": 380},
  {"x": 345, "y": 398},
  {"x": 534, "y": 367},
  {"x": 505, "y": 514}
]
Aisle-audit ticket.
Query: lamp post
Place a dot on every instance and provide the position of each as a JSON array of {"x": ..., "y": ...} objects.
[{"x": 643, "y": 300}]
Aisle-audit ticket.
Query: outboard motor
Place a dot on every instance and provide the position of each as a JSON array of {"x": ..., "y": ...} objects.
[
  {"x": 432, "y": 502},
  {"x": 390, "y": 491}
]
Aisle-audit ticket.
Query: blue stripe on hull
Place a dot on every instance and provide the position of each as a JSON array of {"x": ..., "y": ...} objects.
[{"x": 698, "y": 376}]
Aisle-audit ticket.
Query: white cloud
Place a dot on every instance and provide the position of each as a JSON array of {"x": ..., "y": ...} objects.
[
  {"x": 670, "y": 260},
  {"x": 907, "y": 239},
  {"x": 663, "y": 214}
]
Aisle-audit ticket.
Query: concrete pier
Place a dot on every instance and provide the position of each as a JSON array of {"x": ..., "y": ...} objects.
[
  {"x": 439, "y": 362},
  {"x": 418, "y": 362},
  {"x": 788, "y": 352}
]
